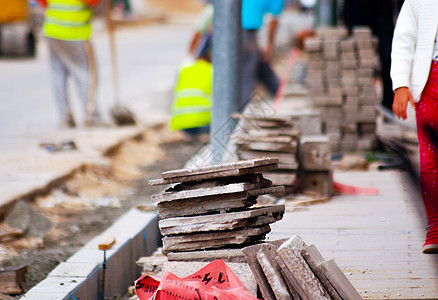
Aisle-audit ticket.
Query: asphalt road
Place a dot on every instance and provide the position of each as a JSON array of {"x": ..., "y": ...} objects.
[{"x": 148, "y": 58}]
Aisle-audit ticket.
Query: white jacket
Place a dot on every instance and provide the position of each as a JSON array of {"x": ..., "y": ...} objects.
[{"x": 413, "y": 45}]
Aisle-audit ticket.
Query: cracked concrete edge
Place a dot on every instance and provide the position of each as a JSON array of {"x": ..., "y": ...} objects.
[{"x": 47, "y": 188}]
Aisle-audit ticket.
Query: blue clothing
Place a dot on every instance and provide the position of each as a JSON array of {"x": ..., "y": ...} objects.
[{"x": 253, "y": 12}]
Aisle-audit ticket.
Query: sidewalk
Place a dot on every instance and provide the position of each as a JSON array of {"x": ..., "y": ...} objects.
[{"x": 375, "y": 240}]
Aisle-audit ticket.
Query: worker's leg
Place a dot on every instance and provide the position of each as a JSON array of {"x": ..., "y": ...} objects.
[
  {"x": 84, "y": 71},
  {"x": 427, "y": 128},
  {"x": 267, "y": 77},
  {"x": 59, "y": 79},
  {"x": 250, "y": 59}
]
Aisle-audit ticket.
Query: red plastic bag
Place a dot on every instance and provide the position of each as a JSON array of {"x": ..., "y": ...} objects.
[{"x": 215, "y": 281}]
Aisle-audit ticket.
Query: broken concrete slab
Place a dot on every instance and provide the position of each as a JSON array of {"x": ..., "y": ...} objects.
[
  {"x": 219, "y": 192},
  {"x": 217, "y": 168},
  {"x": 266, "y": 258},
  {"x": 311, "y": 287},
  {"x": 228, "y": 255},
  {"x": 214, "y": 240},
  {"x": 207, "y": 223},
  {"x": 339, "y": 281},
  {"x": 217, "y": 174},
  {"x": 28, "y": 220},
  {"x": 202, "y": 206}
]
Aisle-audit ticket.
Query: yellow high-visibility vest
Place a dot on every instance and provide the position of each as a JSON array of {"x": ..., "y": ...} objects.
[
  {"x": 67, "y": 20},
  {"x": 192, "y": 96}
]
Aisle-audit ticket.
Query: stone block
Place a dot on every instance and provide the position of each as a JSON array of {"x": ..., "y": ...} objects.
[
  {"x": 333, "y": 91},
  {"x": 314, "y": 154},
  {"x": 313, "y": 45},
  {"x": 251, "y": 217},
  {"x": 316, "y": 64},
  {"x": 318, "y": 182},
  {"x": 368, "y": 110},
  {"x": 214, "y": 240},
  {"x": 350, "y": 91},
  {"x": 362, "y": 33},
  {"x": 365, "y": 72},
  {"x": 339, "y": 32},
  {"x": 365, "y": 44},
  {"x": 348, "y": 81},
  {"x": 315, "y": 56},
  {"x": 332, "y": 82},
  {"x": 366, "y": 54},
  {"x": 368, "y": 62},
  {"x": 228, "y": 255},
  {"x": 365, "y": 80},
  {"x": 349, "y": 63},
  {"x": 350, "y": 128},
  {"x": 317, "y": 81},
  {"x": 347, "y": 46},
  {"x": 350, "y": 109},
  {"x": 348, "y": 56}
]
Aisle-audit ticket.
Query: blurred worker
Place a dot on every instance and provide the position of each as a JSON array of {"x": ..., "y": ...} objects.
[
  {"x": 414, "y": 74},
  {"x": 67, "y": 27},
  {"x": 203, "y": 31},
  {"x": 378, "y": 15},
  {"x": 255, "y": 63},
  {"x": 256, "y": 66},
  {"x": 191, "y": 107}
]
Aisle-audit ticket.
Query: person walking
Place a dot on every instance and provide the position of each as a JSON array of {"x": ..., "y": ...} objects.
[
  {"x": 414, "y": 74},
  {"x": 256, "y": 65},
  {"x": 67, "y": 28},
  {"x": 379, "y": 16}
]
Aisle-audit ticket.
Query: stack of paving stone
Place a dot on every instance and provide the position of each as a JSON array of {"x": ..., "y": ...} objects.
[
  {"x": 272, "y": 136},
  {"x": 208, "y": 211},
  {"x": 289, "y": 269},
  {"x": 340, "y": 78},
  {"x": 316, "y": 173}
]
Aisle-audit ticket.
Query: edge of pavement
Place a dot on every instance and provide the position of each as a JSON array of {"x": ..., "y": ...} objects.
[{"x": 30, "y": 167}]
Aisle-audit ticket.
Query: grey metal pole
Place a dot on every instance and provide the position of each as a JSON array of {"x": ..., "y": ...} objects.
[
  {"x": 226, "y": 74},
  {"x": 326, "y": 13}
]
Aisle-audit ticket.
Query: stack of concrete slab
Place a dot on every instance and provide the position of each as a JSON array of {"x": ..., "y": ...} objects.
[
  {"x": 340, "y": 77},
  {"x": 210, "y": 210},
  {"x": 272, "y": 136},
  {"x": 292, "y": 270}
]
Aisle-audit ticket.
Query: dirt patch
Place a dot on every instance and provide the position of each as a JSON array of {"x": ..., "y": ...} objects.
[{"x": 94, "y": 198}]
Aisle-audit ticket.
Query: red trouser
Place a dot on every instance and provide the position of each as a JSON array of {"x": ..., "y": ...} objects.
[{"x": 427, "y": 128}]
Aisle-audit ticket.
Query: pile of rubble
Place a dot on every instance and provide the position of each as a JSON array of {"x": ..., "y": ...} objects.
[
  {"x": 211, "y": 209},
  {"x": 340, "y": 78}
]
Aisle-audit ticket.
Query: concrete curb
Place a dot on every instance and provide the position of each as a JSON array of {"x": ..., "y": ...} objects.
[{"x": 136, "y": 234}]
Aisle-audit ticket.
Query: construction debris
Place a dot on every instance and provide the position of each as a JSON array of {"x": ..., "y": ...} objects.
[
  {"x": 11, "y": 281},
  {"x": 209, "y": 209},
  {"x": 292, "y": 270}
]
